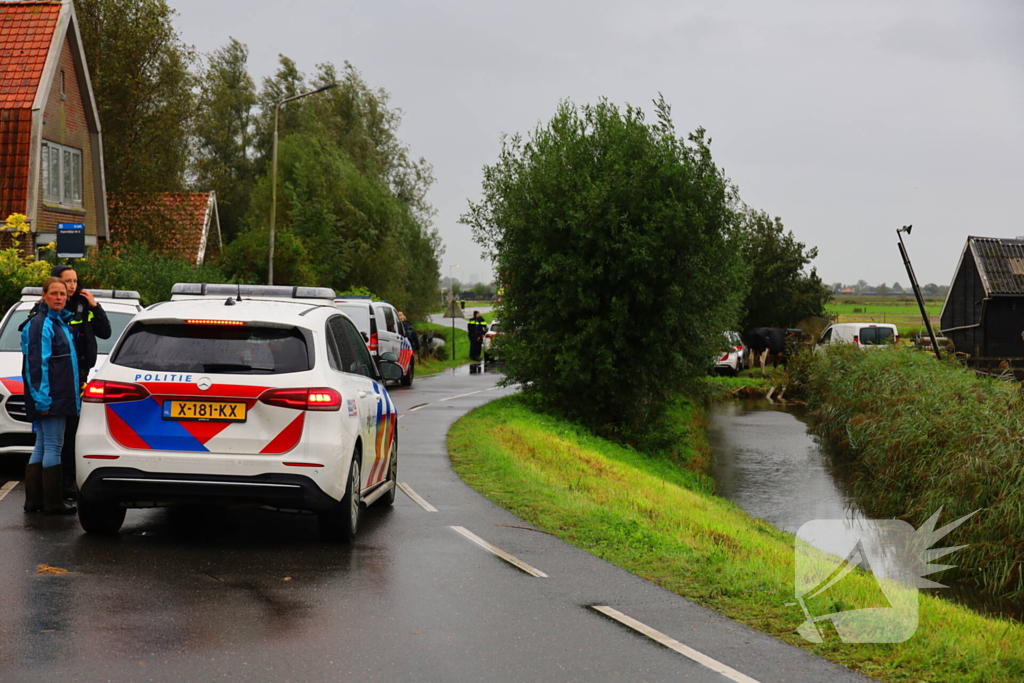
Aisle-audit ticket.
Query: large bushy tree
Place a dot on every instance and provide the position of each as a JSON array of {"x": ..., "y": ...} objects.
[
  {"x": 141, "y": 78},
  {"x": 223, "y": 133},
  {"x": 351, "y": 203},
  {"x": 782, "y": 292},
  {"x": 614, "y": 241}
]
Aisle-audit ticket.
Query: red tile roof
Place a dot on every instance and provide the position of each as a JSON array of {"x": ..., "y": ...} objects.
[
  {"x": 26, "y": 30},
  {"x": 172, "y": 222}
]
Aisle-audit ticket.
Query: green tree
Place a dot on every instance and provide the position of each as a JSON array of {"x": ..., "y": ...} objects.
[
  {"x": 614, "y": 243},
  {"x": 351, "y": 209},
  {"x": 781, "y": 292},
  {"x": 223, "y": 133},
  {"x": 143, "y": 87}
]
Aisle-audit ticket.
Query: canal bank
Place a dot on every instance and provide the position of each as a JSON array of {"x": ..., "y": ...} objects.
[{"x": 767, "y": 460}]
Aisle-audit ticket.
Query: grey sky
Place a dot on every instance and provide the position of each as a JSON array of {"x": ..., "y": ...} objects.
[{"x": 846, "y": 119}]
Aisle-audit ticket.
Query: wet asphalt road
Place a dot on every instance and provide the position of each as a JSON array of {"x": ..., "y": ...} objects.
[{"x": 251, "y": 595}]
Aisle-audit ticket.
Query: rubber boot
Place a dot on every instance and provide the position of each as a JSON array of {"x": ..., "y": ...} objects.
[
  {"x": 53, "y": 492},
  {"x": 34, "y": 487}
]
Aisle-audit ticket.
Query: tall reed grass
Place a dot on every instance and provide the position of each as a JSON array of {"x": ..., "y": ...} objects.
[{"x": 923, "y": 434}]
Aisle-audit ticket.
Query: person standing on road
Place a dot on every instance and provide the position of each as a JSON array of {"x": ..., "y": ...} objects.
[
  {"x": 88, "y": 321},
  {"x": 50, "y": 372},
  {"x": 477, "y": 328},
  {"x": 409, "y": 332}
]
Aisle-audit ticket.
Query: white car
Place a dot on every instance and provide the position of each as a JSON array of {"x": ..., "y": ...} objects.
[
  {"x": 230, "y": 394},
  {"x": 493, "y": 332},
  {"x": 380, "y": 327},
  {"x": 16, "y": 436},
  {"x": 729, "y": 360},
  {"x": 866, "y": 335}
]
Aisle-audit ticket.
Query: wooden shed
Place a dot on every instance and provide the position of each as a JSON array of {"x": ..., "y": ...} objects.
[{"x": 984, "y": 310}]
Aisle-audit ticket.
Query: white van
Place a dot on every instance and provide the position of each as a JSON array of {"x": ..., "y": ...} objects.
[{"x": 864, "y": 335}]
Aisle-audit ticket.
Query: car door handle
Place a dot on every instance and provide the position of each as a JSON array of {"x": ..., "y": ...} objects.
[{"x": 363, "y": 394}]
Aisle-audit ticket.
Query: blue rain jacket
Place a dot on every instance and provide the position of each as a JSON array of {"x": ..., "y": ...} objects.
[{"x": 50, "y": 368}]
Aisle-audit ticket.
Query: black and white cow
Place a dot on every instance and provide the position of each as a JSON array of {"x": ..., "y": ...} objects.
[{"x": 765, "y": 342}]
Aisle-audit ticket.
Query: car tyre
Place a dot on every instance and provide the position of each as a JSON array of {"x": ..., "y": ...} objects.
[
  {"x": 101, "y": 518},
  {"x": 408, "y": 377},
  {"x": 389, "y": 497},
  {"x": 340, "y": 523}
]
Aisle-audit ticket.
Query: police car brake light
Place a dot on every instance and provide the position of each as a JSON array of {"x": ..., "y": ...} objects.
[
  {"x": 374, "y": 342},
  {"x": 318, "y": 398},
  {"x": 230, "y": 323},
  {"x": 102, "y": 391}
]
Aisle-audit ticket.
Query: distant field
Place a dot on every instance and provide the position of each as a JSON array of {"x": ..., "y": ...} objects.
[{"x": 904, "y": 313}]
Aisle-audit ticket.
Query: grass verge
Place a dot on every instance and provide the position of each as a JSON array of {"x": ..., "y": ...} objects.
[
  {"x": 432, "y": 366},
  {"x": 658, "y": 520}
]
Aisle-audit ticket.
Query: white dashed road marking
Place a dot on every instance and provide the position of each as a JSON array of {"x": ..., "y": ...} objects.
[
  {"x": 533, "y": 571},
  {"x": 450, "y": 398},
  {"x": 672, "y": 643},
  {"x": 415, "y": 408},
  {"x": 416, "y": 497},
  {"x": 7, "y": 488}
]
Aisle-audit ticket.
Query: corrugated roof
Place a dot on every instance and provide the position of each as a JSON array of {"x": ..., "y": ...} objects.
[
  {"x": 1000, "y": 263},
  {"x": 177, "y": 221},
  {"x": 26, "y": 30}
]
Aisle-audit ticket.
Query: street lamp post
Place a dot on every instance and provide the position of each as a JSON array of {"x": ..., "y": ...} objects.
[
  {"x": 451, "y": 288},
  {"x": 273, "y": 176},
  {"x": 917, "y": 288}
]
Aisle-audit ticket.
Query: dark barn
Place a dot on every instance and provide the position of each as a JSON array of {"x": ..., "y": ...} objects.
[{"x": 984, "y": 311}]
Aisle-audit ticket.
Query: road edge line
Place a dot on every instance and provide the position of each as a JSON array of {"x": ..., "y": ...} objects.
[
  {"x": 515, "y": 561},
  {"x": 7, "y": 488},
  {"x": 416, "y": 498}
]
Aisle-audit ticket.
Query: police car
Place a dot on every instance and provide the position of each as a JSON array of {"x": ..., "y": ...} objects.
[
  {"x": 16, "y": 435},
  {"x": 382, "y": 331},
  {"x": 233, "y": 394}
]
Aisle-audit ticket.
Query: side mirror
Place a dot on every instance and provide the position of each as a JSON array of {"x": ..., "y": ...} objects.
[
  {"x": 366, "y": 337},
  {"x": 391, "y": 371},
  {"x": 389, "y": 357}
]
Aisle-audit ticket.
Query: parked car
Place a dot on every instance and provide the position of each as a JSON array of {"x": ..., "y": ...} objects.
[
  {"x": 490, "y": 337},
  {"x": 239, "y": 394},
  {"x": 729, "y": 360},
  {"x": 378, "y": 323},
  {"x": 16, "y": 435},
  {"x": 865, "y": 335}
]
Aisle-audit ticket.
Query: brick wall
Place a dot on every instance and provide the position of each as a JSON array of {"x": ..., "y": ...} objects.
[{"x": 64, "y": 122}]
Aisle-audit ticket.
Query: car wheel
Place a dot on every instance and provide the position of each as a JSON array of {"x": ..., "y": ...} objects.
[
  {"x": 103, "y": 518},
  {"x": 341, "y": 522},
  {"x": 389, "y": 497},
  {"x": 408, "y": 377}
]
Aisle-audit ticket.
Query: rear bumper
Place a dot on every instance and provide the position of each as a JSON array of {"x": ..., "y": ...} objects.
[{"x": 129, "y": 485}]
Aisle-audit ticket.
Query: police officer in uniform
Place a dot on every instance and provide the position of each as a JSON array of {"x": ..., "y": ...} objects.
[{"x": 477, "y": 328}]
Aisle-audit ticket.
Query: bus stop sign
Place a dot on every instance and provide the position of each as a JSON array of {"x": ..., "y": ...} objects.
[{"x": 71, "y": 240}]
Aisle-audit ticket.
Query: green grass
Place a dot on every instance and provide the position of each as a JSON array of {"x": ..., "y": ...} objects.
[
  {"x": 656, "y": 519},
  {"x": 903, "y": 312},
  {"x": 923, "y": 434}
]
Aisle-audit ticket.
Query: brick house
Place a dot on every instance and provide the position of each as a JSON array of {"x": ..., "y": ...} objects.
[
  {"x": 181, "y": 224},
  {"x": 51, "y": 150}
]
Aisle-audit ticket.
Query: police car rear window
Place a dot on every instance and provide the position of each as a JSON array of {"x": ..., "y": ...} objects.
[{"x": 247, "y": 350}]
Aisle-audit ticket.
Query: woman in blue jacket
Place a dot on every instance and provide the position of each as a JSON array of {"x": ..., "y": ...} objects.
[{"x": 50, "y": 372}]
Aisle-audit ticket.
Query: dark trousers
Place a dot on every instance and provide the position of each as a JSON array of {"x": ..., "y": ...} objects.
[
  {"x": 67, "y": 451},
  {"x": 475, "y": 346}
]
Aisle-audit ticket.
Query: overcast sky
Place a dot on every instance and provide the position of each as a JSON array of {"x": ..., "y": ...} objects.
[{"x": 845, "y": 119}]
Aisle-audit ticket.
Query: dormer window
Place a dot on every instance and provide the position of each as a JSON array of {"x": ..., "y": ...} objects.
[{"x": 62, "y": 174}]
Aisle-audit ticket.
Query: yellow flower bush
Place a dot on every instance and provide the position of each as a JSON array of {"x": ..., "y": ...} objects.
[{"x": 15, "y": 270}]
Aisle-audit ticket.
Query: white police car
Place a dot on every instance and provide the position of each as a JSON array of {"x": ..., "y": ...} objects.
[
  {"x": 16, "y": 436},
  {"x": 239, "y": 394}
]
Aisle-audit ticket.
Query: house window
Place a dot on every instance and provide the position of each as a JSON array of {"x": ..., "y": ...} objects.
[{"x": 62, "y": 174}]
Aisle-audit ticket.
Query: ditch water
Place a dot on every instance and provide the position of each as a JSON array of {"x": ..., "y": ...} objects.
[{"x": 768, "y": 463}]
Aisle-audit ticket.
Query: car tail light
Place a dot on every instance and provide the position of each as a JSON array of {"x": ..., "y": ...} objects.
[
  {"x": 319, "y": 398},
  {"x": 491, "y": 335},
  {"x": 739, "y": 347},
  {"x": 856, "y": 339},
  {"x": 374, "y": 343},
  {"x": 102, "y": 391},
  {"x": 725, "y": 356}
]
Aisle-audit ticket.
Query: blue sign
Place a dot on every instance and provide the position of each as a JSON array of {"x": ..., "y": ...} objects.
[{"x": 70, "y": 240}]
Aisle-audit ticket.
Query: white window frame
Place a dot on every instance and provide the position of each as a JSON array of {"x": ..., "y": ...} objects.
[{"x": 62, "y": 174}]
